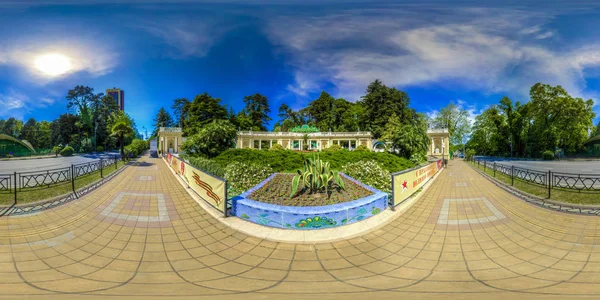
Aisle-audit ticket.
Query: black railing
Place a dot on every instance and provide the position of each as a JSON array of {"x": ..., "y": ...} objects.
[
  {"x": 6, "y": 182},
  {"x": 25, "y": 181},
  {"x": 547, "y": 179},
  {"x": 43, "y": 178}
]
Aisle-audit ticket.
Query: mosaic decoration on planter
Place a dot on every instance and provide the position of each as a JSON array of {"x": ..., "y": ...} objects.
[{"x": 316, "y": 222}]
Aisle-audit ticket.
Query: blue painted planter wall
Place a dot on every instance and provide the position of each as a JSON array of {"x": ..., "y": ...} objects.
[{"x": 306, "y": 218}]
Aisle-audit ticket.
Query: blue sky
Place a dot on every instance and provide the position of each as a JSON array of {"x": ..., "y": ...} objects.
[{"x": 438, "y": 52}]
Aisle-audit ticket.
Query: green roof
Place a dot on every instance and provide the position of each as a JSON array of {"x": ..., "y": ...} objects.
[
  {"x": 22, "y": 143},
  {"x": 592, "y": 140}
]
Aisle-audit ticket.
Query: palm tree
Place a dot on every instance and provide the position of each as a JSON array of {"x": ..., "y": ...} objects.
[{"x": 121, "y": 130}]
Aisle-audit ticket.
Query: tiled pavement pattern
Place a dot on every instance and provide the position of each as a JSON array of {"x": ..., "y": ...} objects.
[{"x": 467, "y": 248}]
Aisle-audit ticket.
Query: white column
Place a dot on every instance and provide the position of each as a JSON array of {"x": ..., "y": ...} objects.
[
  {"x": 259, "y": 144},
  {"x": 271, "y": 145},
  {"x": 175, "y": 150}
]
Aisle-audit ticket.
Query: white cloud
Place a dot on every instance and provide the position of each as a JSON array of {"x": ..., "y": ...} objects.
[
  {"x": 187, "y": 37},
  {"x": 488, "y": 51},
  {"x": 544, "y": 35},
  {"x": 531, "y": 30},
  {"x": 14, "y": 104}
]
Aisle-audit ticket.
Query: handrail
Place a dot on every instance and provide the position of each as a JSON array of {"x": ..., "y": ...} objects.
[{"x": 549, "y": 179}]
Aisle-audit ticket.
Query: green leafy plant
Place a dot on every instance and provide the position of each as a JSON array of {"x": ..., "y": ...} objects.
[
  {"x": 362, "y": 148},
  {"x": 277, "y": 147},
  {"x": 333, "y": 148},
  {"x": 242, "y": 176},
  {"x": 99, "y": 149},
  {"x": 67, "y": 151},
  {"x": 56, "y": 150},
  {"x": 206, "y": 165},
  {"x": 317, "y": 176},
  {"x": 370, "y": 173},
  {"x": 548, "y": 155}
]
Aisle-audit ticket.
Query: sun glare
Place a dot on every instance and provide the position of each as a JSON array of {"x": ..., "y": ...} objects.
[{"x": 53, "y": 64}]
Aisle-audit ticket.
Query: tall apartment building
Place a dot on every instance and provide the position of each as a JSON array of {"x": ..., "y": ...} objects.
[{"x": 118, "y": 95}]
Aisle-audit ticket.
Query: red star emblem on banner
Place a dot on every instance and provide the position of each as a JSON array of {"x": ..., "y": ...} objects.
[{"x": 404, "y": 186}]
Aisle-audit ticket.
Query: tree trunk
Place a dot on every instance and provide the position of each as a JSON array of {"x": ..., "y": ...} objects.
[{"x": 121, "y": 138}]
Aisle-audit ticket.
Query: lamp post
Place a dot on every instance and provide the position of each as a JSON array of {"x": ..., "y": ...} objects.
[{"x": 443, "y": 147}]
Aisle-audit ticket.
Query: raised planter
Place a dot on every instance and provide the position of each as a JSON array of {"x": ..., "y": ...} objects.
[{"x": 306, "y": 218}]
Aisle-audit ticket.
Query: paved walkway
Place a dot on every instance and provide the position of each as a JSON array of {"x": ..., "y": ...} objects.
[{"x": 142, "y": 235}]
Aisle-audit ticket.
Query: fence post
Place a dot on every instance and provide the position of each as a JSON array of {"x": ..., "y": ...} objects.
[
  {"x": 392, "y": 200},
  {"x": 494, "y": 169},
  {"x": 484, "y": 165},
  {"x": 101, "y": 164},
  {"x": 549, "y": 183},
  {"x": 225, "y": 210},
  {"x": 512, "y": 175},
  {"x": 15, "y": 188},
  {"x": 116, "y": 161},
  {"x": 73, "y": 179}
]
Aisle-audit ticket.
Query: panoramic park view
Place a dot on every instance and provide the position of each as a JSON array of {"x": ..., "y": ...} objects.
[{"x": 292, "y": 149}]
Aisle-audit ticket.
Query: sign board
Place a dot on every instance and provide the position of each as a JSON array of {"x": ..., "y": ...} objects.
[
  {"x": 210, "y": 188},
  {"x": 407, "y": 183}
]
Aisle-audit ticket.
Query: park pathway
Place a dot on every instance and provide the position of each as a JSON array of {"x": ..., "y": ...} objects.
[{"x": 141, "y": 235}]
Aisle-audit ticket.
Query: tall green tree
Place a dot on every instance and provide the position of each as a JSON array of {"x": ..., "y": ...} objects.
[
  {"x": 321, "y": 111},
  {"x": 13, "y": 127},
  {"x": 257, "y": 109},
  {"x": 380, "y": 103},
  {"x": 180, "y": 109},
  {"x": 29, "y": 132},
  {"x": 44, "y": 135},
  {"x": 559, "y": 119},
  {"x": 203, "y": 110},
  {"x": 121, "y": 129},
  {"x": 162, "y": 119},
  {"x": 456, "y": 120},
  {"x": 408, "y": 139},
  {"x": 211, "y": 140}
]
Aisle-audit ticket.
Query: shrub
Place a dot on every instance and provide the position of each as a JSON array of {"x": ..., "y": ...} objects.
[
  {"x": 138, "y": 147},
  {"x": 288, "y": 160},
  {"x": 469, "y": 153},
  {"x": 206, "y": 165},
  {"x": 362, "y": 148},
  {"x": 370, "y": 173},
  {"x": 99, "y": 149},
  {"x": 548, "y": 155},
  {"x": 418, "y": 158},
  {"x": 333, "y": 148},
  {"x": 277, "y": 147},
  {"x": 243, "y": 176},
  {"x": 86, "y": 145},
  {"x": 67, "y": 151},
  {"x": 211, "y": 140}
]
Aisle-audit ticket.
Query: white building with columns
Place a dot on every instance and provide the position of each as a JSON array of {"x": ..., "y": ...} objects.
[
  {"x": 440, "y": 142},
  {"x": 298, "y": 141},
  {"x": 170, "y": 139}
]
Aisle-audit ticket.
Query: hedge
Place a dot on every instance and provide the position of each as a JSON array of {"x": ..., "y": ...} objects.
[{"x": 288, "y": 160}]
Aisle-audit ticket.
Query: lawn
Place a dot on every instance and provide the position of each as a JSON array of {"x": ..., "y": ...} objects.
[
  {"x": 556, "y": 194},
  {"x": 278, "y": 190}
]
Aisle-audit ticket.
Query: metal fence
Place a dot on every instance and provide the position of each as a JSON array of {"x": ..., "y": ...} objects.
[
  {"x": 550, "y": 180},
  {"x": 27, "y": 181}
]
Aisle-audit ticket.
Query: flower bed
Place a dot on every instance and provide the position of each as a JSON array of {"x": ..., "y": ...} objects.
[
  {"x": 369, "y": 202},
  {"x": 278, "y": 190}
]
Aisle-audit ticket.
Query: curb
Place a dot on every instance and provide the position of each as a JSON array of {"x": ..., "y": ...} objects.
[
  {"x": 584, "y": 210},
  {"x": 312, "y": 237}
]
